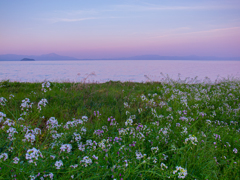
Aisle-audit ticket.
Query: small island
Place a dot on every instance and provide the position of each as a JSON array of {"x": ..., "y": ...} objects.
[{"x": 27, "y": 59}]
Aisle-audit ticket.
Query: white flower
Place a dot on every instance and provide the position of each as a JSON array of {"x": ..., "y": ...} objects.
[
  {"x": 33, "y": 154},
  {"x": 155, "y": 149},
  {"x": 42, "y": 102},
  {"x": 86, "y": 160},
  {"x": 52, "y": 156},
  {"x": 85, "y": 118},
  {"x": 15, "y": 160},
  {"x": 139, "y": 155},
  {"x": 11, "y": 131},
  {"x": 3, "y": 101},
  {"x": 30, "y": 137},
  {"x": 129, "y": 122},
  {"x": 182, "y": 173},
  {"x": 52, "y": 123},
  {"x": 77, "y": 137},
  {"x": 191, "y": 138},
  {"x": 66, "y": 147},
  {"x": 235, "y": 150},
  {"x": 58, "y": 164},
  {"x": 5, "y": 155},
  {"x": 163, "y": 166},
  {"x": 95, "y": 157}
]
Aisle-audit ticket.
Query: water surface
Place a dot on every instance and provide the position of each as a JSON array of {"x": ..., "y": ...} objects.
[{"x": 116, "y": 70}]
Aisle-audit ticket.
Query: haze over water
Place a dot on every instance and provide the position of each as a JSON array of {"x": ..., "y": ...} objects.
[{"x": 117, "y": 70}]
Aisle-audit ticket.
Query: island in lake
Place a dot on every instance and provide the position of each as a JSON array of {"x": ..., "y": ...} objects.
[{"x": 27, "y": 59}]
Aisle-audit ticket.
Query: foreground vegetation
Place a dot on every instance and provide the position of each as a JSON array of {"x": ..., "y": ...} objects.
[{"x": 119, "y": 130}]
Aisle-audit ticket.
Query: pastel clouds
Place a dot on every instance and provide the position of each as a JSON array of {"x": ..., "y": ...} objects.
[{"x": 118, "y": 29}]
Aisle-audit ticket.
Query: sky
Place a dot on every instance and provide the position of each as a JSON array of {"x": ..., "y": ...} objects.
[{"x": 114, "y": 28}]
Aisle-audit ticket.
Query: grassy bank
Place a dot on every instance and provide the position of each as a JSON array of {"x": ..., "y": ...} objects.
[{"x": 119, "y": 130}]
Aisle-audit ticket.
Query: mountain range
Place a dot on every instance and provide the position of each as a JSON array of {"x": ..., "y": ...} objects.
[
  {"x": 44, "y": 57},
  {"x": 56, "y": 57}
]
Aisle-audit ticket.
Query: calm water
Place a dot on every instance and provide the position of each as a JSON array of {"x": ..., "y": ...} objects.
[{"x": 105, "y": 70}]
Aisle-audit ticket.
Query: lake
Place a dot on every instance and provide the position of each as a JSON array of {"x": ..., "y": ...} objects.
[{"x": 116, "y": 70}]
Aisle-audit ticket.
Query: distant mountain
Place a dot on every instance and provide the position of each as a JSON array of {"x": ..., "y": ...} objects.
[
  {"x": 56, "y": 57},
  {"x": 44, "y": 57},
  {"x": 192, "y": 57}
]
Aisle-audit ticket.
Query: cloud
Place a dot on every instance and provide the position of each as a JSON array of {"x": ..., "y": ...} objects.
[
  {"x": 196, "y": 32},
  {"x": 153, "y": 7},
  {"x": 71, "y": 19}
]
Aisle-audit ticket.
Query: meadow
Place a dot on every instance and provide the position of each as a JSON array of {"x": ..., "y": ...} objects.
[{"x": 120, "y": 130}]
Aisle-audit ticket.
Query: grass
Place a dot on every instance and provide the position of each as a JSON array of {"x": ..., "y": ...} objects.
[{"x": 118, "y": 130}]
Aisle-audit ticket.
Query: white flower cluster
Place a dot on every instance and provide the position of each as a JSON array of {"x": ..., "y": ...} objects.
[
  {"x": 139, "y": 155},
  {"x": 1, "y": 116},
  {"x": 191, "y": 138},
  {"x": 15, "y": 160},
  {"x": 26, "y": 104},
  {"x": 52, "y": 123},
  {"x": 11, "y": 131},
  {"x": 46, "y": 86},
  {"x": 4, "y": 156},
  {"x": 9, "y": 122},
  {"x": 33, "y": 154},
  {"x": 182, "y": 173},
  {"x": 50, "y": 175},
  {"x": 154, "y": 149},
  {"x": 66, "y": 147},
  {"x": 129, "y": 122},
  {"x": 30, "y": 135},
  {"x": 126, "y": 105},
  {"x": 73, "y": 123},
  {"x": 42, "y": 102},
  {"x": 58, "y": 164},
  {"x": 86, "y": 161},
  {"x": 163, "y": 166},
  {"x": 3, "y": 101},
  {"x": 77, "y": 137}
]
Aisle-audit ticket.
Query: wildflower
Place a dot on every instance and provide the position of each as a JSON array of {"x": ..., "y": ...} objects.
[
  {"x": 42, "y": 102},
  {"x": 3, "y": 101},
  {"x": 129, "y": 122},
  {"x": 235, "y": 150},
  {"x": 191, "y": 138},
  {"x": 81, "y": 147},
  {"x": 9, "y": 122},
  {"x": 66, "y": 147},
  {"x": 86, "y": 160},
  {"x": 77, "y": 137},
  {"x": 74, "y": 166},
  {"x": 58, "y": 164},
  {"x": 182, "y": 173},
  {"x": 163, "y": 166},
  {"x": 139, "y": 155},
  {"x": 20, "y": 119},
  {"x": 98, "y": 132},
  {"x": 26, "y": 104},
  {"x": 45, "y": 86},
  {"x": 155, "y": 149},
  {"x": 11, "y": 131},
  {"x": 5, "y": 155},
  {"x": 30, "y": 137},
  {"x": 10, "y": 96},
  {"x": 33, "y": 154},
  {"x": 95, "y": 157},
  {"x": 85, "y": 118},
  {"x": 15, "y": 160},
  {"x": 52, "y": 123},
  {"x": 126, "y": 105},
  {"x": 52, "y": 156}
]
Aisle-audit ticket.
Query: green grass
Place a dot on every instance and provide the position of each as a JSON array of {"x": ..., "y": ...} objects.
[{"x": 152, "y": 123}]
